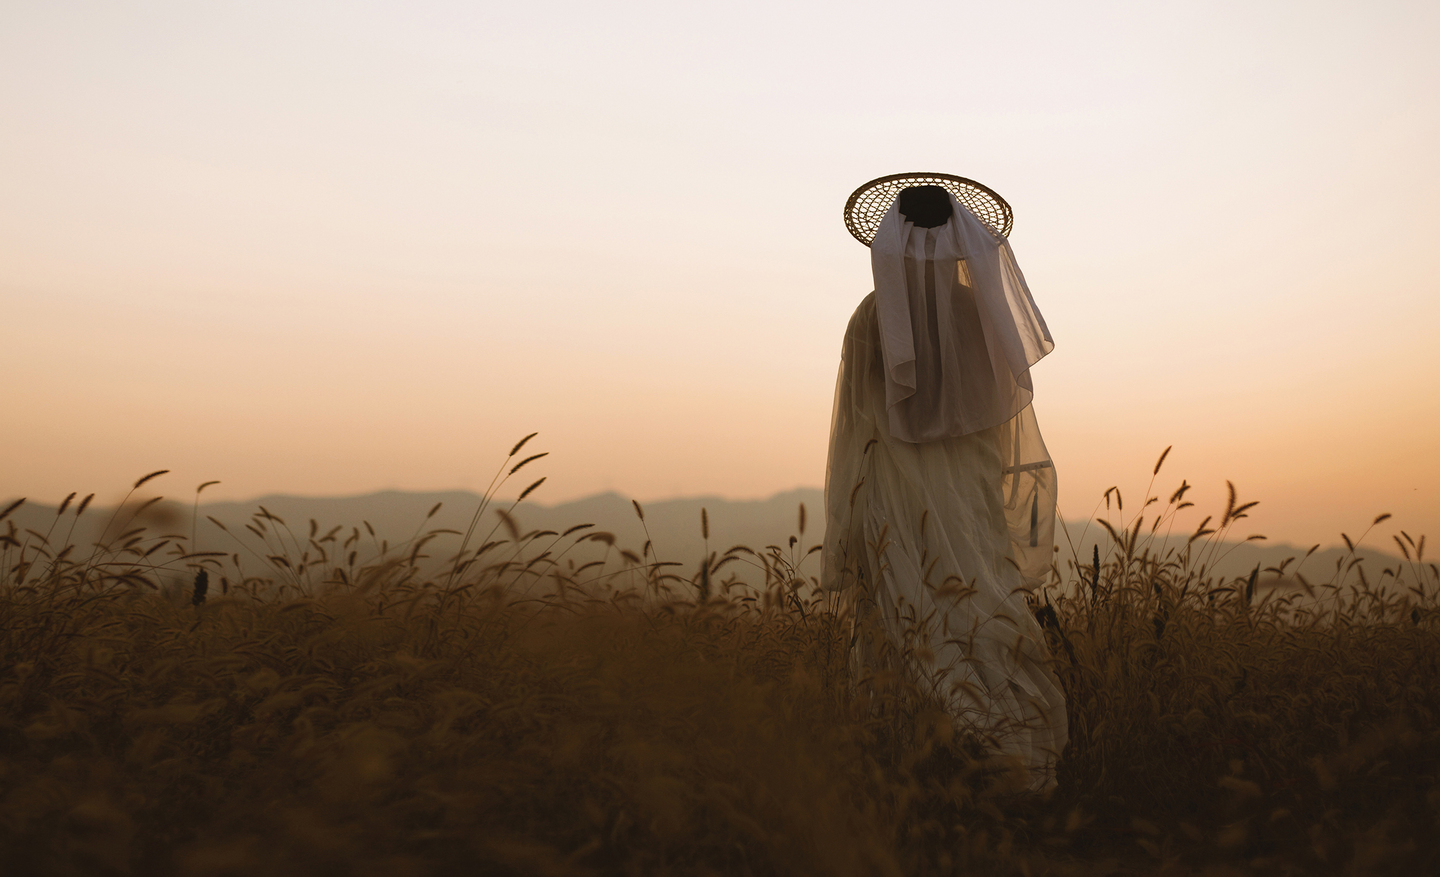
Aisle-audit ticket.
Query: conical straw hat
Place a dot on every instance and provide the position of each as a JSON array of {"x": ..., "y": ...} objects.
[{"x": 869, "y": 203}]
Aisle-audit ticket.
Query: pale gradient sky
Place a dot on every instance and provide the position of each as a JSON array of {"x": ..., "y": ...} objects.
[{"x": 326, "y": 248}]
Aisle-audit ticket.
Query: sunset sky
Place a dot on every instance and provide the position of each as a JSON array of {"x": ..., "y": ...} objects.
[{"x": 328, "y": 248}]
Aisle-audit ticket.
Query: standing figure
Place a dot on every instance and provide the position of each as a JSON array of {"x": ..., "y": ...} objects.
[{"x": 939, "y": 492}]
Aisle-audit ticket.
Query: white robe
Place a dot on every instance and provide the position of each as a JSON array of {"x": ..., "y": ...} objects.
[{"x": 936, "y": 543}]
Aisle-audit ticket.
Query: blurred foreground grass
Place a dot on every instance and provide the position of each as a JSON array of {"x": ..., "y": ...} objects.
[{"x": 525, "y": 714}]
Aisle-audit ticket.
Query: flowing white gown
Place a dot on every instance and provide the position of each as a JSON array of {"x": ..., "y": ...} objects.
[{"x": 937, "y": 543}]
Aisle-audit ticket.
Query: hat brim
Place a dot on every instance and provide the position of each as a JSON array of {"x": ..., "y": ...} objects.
[{"x": 868, "y": 204}]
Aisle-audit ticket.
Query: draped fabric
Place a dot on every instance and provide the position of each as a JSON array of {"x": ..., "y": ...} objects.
[
  {"x": 958, "y": 328},
  {"x": 941, "y": 508}
]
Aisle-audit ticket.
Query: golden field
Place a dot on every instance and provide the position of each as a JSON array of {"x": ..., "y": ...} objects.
[{"x": 353, "y": 711}]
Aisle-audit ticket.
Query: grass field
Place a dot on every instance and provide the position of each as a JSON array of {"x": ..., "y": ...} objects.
[{"x": 521, "y": 714}]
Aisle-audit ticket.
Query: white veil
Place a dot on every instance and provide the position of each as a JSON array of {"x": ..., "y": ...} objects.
[{"x": 958, "y": 328}]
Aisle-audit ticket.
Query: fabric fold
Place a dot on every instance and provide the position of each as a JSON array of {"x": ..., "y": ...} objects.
[{"x": 959, "y": 330}]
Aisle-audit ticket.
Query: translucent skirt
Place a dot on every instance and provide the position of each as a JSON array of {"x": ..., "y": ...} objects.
[{"x": 937, "y": 544}]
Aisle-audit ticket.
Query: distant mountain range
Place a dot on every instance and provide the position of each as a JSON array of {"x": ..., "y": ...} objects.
[{"x": 672, "y": 526}]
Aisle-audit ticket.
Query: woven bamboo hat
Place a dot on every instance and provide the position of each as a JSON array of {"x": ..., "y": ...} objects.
[{"x": 869, "y": 203}]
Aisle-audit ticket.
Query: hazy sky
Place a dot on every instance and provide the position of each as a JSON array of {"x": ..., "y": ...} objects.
[{"x": 328, "y": 248}]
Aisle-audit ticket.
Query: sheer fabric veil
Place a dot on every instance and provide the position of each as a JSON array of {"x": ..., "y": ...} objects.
[
  {"x": 940, "y": 493},
  {"x": 959, "y": 330}
]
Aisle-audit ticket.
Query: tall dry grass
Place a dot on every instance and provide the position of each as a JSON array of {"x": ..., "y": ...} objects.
[{"x": 350, "y": 711}]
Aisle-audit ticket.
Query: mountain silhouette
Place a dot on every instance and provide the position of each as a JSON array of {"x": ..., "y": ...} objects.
[{"x": 672, "y": 527}]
